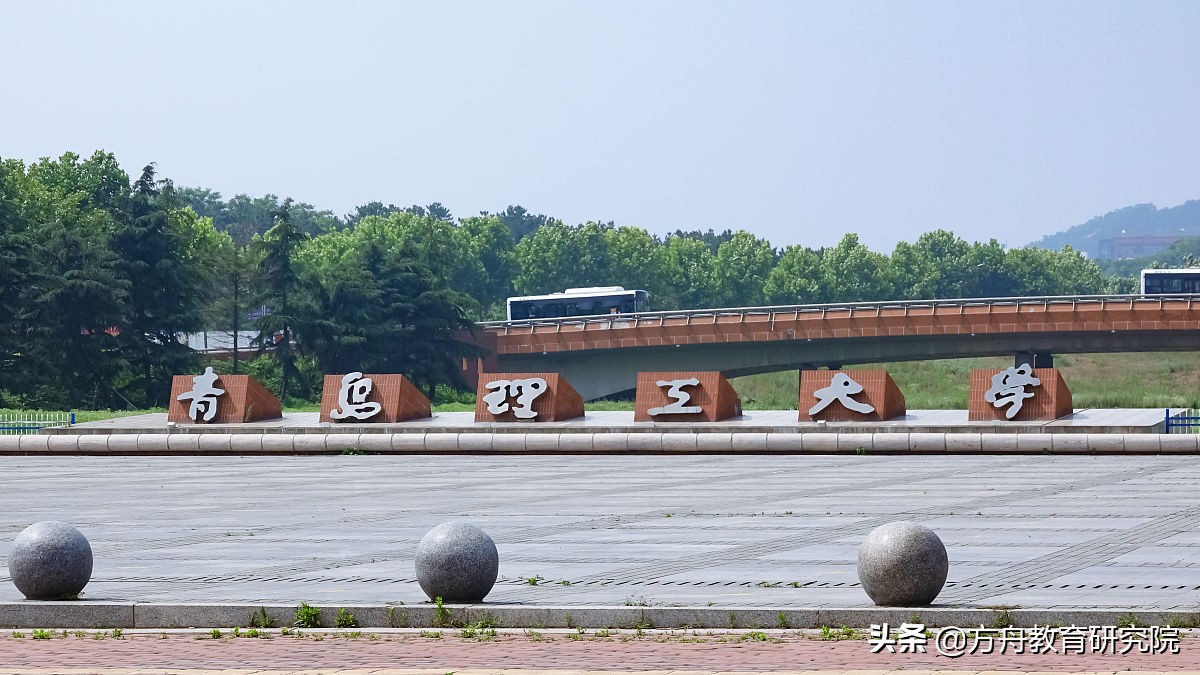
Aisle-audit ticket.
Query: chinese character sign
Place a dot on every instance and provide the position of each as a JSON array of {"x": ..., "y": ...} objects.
[
  {"x": 679, "y": 398},
  {"x": 367, "y": 398},
  {"x": 352, "y": 398},
  {"x": 515, "y": 395},
  {"x": 203, "y": 396},
  {"x": 526, "y": 397},
  {"x": 840, "y": 390},
  {"x": 1008, "y": 388},
  {"x": 854, "y": 396},
  {"x": 224, "y": 399},
  {"x": 684, "y": 397},
  {"x": 1018, "y": 394}
]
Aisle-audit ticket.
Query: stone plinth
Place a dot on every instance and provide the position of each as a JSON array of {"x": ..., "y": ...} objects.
[
  {"x": 243, "y": 400},
  {"x": 526, "y": 397},
  {"x": 693, "y": 397},
  {"x": 457, "y": 562},
  {"x": 50, "y": 560},
  {"x": 393, "y": 398},
  {"x": 1050, "y": 401},
  {"x": 841, "y": 391},
  {"x": 902, "y": 564}
]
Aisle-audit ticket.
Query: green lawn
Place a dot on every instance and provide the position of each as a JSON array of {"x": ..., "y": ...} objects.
[{"x": 1153, "y": 380}]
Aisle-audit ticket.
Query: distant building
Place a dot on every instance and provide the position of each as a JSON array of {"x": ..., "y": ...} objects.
[{"x": 1136, "y": 245}]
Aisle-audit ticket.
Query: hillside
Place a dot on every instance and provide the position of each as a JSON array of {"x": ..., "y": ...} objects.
[{"x": 1144, "y": 219}]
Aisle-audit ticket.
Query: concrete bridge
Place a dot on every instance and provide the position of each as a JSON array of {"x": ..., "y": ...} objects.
[{"x": 601, "y": 356}]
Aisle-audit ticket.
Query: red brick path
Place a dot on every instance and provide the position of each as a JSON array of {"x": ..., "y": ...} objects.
[{"x": 329, "y": 653}]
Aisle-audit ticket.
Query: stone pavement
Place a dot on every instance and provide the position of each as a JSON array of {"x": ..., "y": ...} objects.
[
  {"x": 1107, "y": 533},
  {"x": 526, "y": 654}
]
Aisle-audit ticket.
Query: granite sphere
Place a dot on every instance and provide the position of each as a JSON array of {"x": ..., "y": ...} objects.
[
  {"x": 902, "y": 564},
  {"x": 50, "y": 560},
  {"x": 457, "y": 562}
]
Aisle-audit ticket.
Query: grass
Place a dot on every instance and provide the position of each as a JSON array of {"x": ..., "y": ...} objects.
[
  {"x": 1135, "y": 380},
  {"x": 1144, "y": 380},
  {"x": 307, "y": 616}
]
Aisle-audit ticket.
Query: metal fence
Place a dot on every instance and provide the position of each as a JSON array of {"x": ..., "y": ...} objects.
[
  {"x": 33, "y": 422},
  {"x": 1186, "y": 422}
]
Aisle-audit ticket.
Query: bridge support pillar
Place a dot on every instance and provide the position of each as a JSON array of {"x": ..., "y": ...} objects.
[{"x": 1035, "y": 359}]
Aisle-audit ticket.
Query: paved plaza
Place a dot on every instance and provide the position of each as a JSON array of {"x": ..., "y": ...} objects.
[{"x": 743, "y": 531}]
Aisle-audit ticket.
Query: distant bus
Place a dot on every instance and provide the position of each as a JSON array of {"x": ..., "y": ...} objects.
[
  {"x": 578, "y": 302},
  {"x": 1170, "y": 282}
]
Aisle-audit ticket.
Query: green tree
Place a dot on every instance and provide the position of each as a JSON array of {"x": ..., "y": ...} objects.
[
  {"x": 695, "y": 281},
  {"x": 743, "y": 263},
  {"x": 796, "y": 278},
  {"x": 281, "y": 292},
  {"x": 853, "y": 273},
  {"x": 165, "y": 281}
]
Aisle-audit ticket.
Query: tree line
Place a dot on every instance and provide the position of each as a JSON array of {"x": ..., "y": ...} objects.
[{"x": 100, "y": 275}]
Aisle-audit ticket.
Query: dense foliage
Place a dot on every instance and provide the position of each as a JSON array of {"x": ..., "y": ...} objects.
[{"x": 99, "y": 276}]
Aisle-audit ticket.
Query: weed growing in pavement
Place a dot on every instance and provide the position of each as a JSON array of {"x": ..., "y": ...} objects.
[
  {"x": 755, "y": 636},
  {"x": 564, "y": 582},
  {"x": 534, "y": 580},
  {"x": 18, "y": 634},
  {"x": 391, "y": 615},
  {"x": 1126, "y": 621},
  {"x": 435, "y": 634},
  {"x": 318, "y": 637},
  {"x": 441, "y": 615},
  {"x": 783, "y": 622},
  {"x": 215, "y": 633},
  {"x": 81, "y": 633},
  {"x": 352, "y": 635},
  {"x": 42, "y": 634},
  {"x": 285, "y": 631},
  {"x": 534, "y": 636},
  {"x": 118, "y": 633},
  {"x": 260, "y": 619},
  {"x": 479, "y": 631},
  {"x": 307, "y": 616},
  {"x": 344, "y": 619},
  {"x": 237, "y": 631},
  {"x": 603, "y": 632},
  {"x": 834, "y": 635},
  {"x": 768, "y": 584},
  {"x": 254, "y": 632}
]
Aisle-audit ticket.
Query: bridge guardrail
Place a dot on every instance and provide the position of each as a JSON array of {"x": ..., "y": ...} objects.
[{"x": 851, "y": 307}]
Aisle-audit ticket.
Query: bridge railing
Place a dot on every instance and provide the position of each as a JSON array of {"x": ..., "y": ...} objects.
[
  {"x": 1187, "y": 422},
  {"x": 851, "y": 307}
]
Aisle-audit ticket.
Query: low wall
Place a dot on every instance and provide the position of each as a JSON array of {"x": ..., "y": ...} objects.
[{"x": 598, "y": 443}]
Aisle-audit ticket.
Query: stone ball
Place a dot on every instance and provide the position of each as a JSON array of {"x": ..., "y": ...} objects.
[
  {"x": 902, "y": 564},
  {"x": 457, "y": 562},
  {"x": 50, "y": 560}
]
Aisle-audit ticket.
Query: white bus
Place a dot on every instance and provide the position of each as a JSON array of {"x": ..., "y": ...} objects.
[
  {"x": 1171, "y": 282},
  {"x": 578, "y": 302}
]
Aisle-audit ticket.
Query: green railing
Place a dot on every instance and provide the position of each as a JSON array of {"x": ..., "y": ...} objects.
[{"x": 33, "y": 422}]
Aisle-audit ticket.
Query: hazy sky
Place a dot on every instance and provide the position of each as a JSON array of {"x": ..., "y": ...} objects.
[{"x": 798, "y": 121}]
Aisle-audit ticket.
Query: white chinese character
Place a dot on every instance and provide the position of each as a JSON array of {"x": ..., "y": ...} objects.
[
  {"x": 525, "y": 391},
  {"x": 840, "y": 389},
  {"x": 681, "y": 397},
  {"x": 911, "y": 638},
  {"x": 880, "y": 639},
  {"x": 1008, "y": 389},
  {"x": 203, "y": 395},
  {"x": 1103, "y": 639},
  {"x": 1164, "y": 639},
  {"x": 1014, "y": 637},
  {"x": 1074, "y": 639},
  {"x": 1041, "y": 639},
  {"x": 352, "y": 398}
]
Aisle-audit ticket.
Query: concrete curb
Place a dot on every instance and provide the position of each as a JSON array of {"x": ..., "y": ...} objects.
[
  {"x": 82, "y": 614},
  {"x": 484, "y": 443}
]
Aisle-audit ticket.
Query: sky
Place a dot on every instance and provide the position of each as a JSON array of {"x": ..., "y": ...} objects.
[{"x": 798, "y": 121}]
